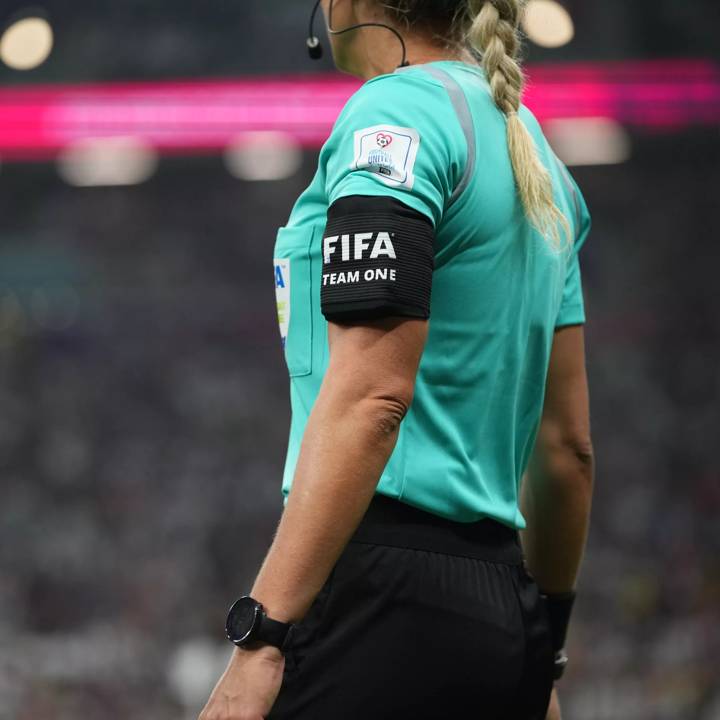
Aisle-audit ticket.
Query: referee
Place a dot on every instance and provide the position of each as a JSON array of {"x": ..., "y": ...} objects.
[{"x": 431, "y": 312}]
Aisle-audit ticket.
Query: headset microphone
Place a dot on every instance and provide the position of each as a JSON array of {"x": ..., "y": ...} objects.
[{"x": 315, "y": 49}]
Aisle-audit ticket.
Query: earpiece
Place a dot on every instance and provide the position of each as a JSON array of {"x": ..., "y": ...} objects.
[{"x": 315, "y": 49}]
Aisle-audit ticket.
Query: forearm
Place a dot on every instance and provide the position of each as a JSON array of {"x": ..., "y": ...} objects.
[
  {"x": 556, "y": 502},
  {"x": 347, "y": 443}
]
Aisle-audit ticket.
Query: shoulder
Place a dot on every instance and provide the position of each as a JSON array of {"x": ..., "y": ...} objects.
[
  {"x": 398, "y": 133},
  {"x": 582, "y": 220},
  {"x": 414, "y": 85},
  {"x": 408, "y": 110},
  {"x": 412, "y": 98},
  {"x": 566, "y": 184}
]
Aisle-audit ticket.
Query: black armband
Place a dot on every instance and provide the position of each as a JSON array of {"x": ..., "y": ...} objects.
[
  {"x": 559, "y": 607},
  {"x": 377, "y": 260}
]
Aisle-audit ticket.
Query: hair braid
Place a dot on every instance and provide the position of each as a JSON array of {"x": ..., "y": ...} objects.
[{"x": 494, "y": 33}]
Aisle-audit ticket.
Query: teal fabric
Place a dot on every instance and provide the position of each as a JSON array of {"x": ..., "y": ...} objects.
[{"x": 499, "y": 292}]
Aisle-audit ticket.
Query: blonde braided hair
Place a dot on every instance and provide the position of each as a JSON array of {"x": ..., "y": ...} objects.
[{"x": 493, "y": 31}]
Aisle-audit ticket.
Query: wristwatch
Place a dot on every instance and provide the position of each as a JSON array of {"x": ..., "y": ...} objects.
[{"x": 247, "y": 623}]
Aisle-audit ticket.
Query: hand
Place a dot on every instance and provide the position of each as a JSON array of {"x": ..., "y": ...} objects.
[
  {"x": 553, "y": 712},
  {"x": 249, "y": 686}
]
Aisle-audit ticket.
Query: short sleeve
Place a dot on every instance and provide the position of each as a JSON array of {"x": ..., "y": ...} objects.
[
  {"x": 398, "y": 137},
  {"x": 572, "y": 308}
]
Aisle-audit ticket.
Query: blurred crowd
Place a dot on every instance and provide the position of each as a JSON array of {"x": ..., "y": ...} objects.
[{"x": 144, "y": 415}]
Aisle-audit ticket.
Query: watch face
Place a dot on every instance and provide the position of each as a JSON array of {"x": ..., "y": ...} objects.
[{"x": 242, "y": 619}]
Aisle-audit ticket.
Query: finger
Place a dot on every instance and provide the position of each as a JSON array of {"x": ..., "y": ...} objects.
[{"x": 554, "y": 708}]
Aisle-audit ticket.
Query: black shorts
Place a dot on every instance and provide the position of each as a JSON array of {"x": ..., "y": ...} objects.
[{"x": 421, "y": 618}]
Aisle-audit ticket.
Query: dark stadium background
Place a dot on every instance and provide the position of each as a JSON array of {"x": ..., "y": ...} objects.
[{"x": 143, "y": 396}]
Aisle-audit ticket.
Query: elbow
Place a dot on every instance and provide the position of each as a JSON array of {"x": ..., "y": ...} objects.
[
  {"x": 567, "y": 456},
  {"x": 580, "y": 457},
  {"x": 585, "y": 456},
  {"x": 386, "y": 410},
  {"x": 580, "y": 448},
  {"x": 375, "y": 404}
]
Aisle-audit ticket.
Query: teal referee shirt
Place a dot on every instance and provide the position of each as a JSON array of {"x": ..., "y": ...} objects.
[{"x": 431, "y": 137}]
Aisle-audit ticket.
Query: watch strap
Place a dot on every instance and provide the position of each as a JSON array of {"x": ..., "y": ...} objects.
[
  {"x": 559, "y": 607},
  {"x": 274, "y": 632}
]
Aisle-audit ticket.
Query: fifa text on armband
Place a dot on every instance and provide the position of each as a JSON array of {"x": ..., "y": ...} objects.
[{"x": 363, "y": 246}]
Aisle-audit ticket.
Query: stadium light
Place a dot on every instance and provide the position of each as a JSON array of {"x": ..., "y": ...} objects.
[
  {"x": 548, "y": 24},
  {"x": 107, "y": 162},
  {"x": 193, "y": 670},
  {"x": 263, "y": 156},
  {"x": 589, "y": 141},
  {"x": 26, "y": 43}
]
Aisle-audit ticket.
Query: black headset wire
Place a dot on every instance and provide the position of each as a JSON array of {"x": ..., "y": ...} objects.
[{"x": 313, "y": 42}]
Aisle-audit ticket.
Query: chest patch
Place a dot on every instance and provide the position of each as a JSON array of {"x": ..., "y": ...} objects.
[
  {"x": 282, "y": 295},
  {"x": 389, "y": 152}
]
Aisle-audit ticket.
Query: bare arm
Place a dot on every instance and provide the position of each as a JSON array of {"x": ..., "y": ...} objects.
[
  {"x": 558, "y": 489},
  {"x": 349, "y": 438}
]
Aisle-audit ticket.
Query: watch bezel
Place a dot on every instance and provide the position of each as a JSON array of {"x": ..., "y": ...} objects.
[{"x": 257, "y": 614}]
